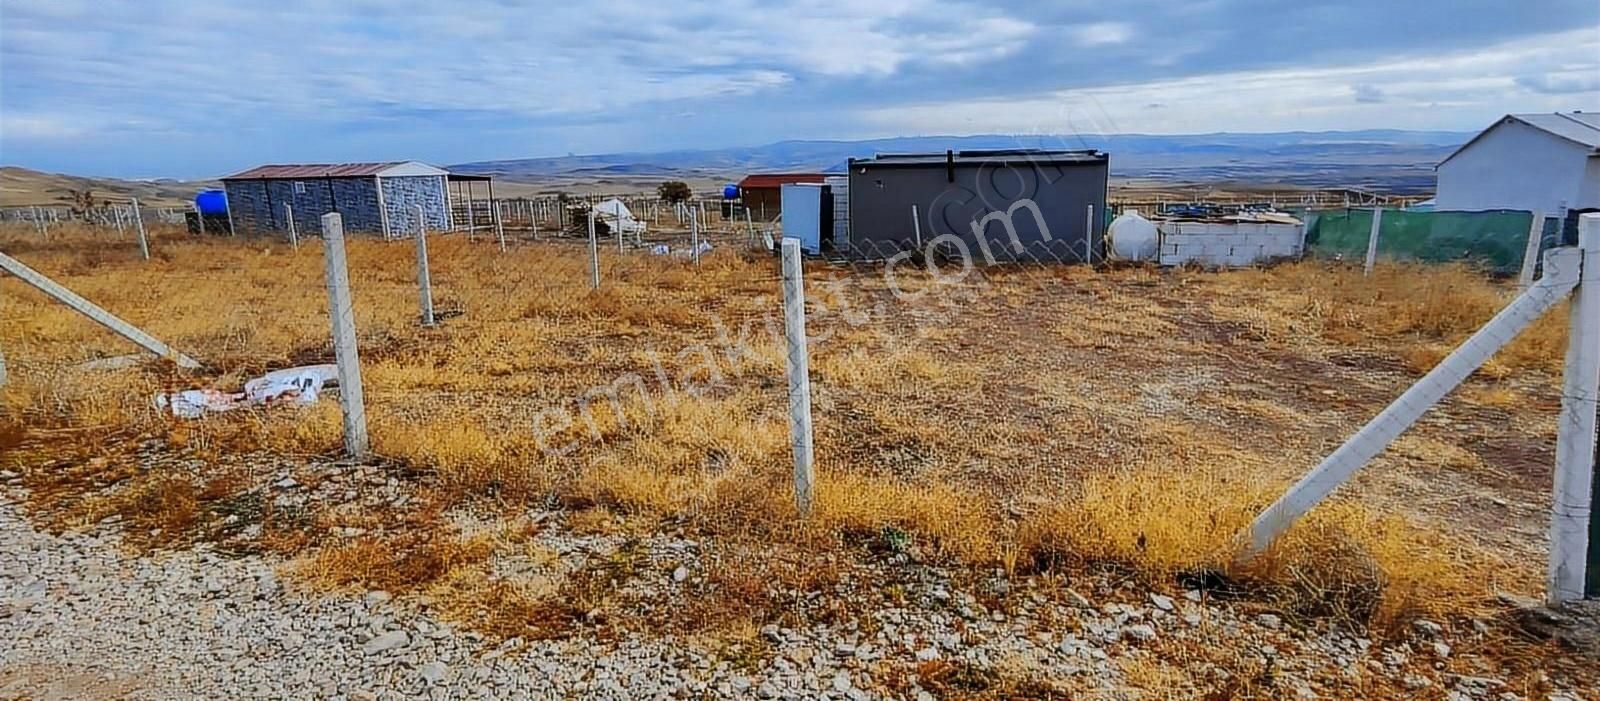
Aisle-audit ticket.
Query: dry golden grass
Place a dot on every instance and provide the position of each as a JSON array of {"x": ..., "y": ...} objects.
[
  {"x": 1437, "y": 305},
  {"x": 1062, "y": 418}
]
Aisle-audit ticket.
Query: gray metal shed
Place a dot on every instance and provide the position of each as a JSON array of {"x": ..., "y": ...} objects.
[{"x": 1001, "y": 205}]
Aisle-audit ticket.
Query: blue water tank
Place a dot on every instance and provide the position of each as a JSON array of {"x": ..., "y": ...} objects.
[
  {"x": 211, "y": 202},
  {"x": 730, "y": 192}
]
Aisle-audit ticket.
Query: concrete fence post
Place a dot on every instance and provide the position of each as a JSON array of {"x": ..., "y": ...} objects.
[
  {"x": 1372, "y": 241},
  {"x": 424, "y": 281},
  {"x": 294, "y": 233},
  {"x": 1530, "y": 253},
  {"x": 341, "y": 315},
  {"x": 1561, "y": 274},
  {"x": 89, "y": 309},
  {"x": 694, "y": 242},
  {"x": 116, "y": 213},
  {"x": 794, "y": 324},
  {"x": 138, "y": 223},
  {"x": 1574, "y": 570},
  {"x": 499, "y": 226},
  {"x": 594, "y": 255},
  {"x": 38, "y": 221}
]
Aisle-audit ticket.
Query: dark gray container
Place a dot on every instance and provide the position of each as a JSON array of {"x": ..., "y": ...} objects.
[{"x": 964, "y": 199}]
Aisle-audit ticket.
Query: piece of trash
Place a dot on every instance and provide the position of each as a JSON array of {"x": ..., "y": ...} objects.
[
  {"x": 662, "y": 249},
  {"x": 300, "y": 385},
  {"x": 193, "y": 403}
]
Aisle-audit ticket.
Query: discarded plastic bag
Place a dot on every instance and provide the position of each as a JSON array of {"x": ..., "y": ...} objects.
[{"x": 300, "y": 385}]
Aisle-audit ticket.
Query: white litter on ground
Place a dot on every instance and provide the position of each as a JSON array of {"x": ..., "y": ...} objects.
[{"x": 299, "y": 386}]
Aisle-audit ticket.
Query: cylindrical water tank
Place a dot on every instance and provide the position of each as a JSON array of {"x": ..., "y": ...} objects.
[
  {"x": 1133, "y": 237},
  {"x": 730, "y": 192},
  {"x": 211, "y": 202}
]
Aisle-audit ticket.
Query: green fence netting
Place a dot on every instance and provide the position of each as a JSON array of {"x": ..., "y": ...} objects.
[{"x": 1495, "y": 240}]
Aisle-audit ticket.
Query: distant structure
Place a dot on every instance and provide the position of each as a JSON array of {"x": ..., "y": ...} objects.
[
  {"x": 1548, "y": 163},
  {"x": 1050, "y": 203},
  {"x": 762, "y": 193},
  {"x": 377, "y": 198}
]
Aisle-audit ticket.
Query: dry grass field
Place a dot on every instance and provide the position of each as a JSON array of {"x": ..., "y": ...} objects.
[{"x": 1052, "y": 423}]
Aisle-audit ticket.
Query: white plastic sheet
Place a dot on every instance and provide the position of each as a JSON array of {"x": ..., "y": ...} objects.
[{"x": 299, "y": 386}]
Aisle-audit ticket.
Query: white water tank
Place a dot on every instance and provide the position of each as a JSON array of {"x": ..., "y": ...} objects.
[{"x": 1133, "y": 237}]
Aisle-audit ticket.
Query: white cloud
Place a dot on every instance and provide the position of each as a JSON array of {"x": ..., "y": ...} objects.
[
  {"x": 200, "y": 62},
  {"x": 40, "y": 127},
  {"x": 1462, "y": 90},
  {"x": 1102, "y": 34}
]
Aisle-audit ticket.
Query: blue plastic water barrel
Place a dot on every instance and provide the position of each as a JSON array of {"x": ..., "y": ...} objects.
[
  {"x": 730, "y": 192},
  {"x": 212, "y": 202}
]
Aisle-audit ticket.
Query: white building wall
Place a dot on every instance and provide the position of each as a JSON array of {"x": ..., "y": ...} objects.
[
  {"x": 1589, "y": 195},
  {"x": 1515, "y": 166},
  {"x": 1229, "y": 244}
]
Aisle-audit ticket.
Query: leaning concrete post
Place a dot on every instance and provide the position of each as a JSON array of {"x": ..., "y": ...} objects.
[
  {"x": 138, "y": 222},
  {"x": 424, "y": 281},
  {"x": 1561, "y": 270},
  {"x": 594, "y": 255},
  {"x": 1530, "y": 253},
  {"x": 341, "y": 314},
  {"x": 294, "y": 234},
  {"x": 1573, "y": 563},
  {"x": 89, "y": 309},
  {"x": 794, "y": 324},
  {"x": 1372, "y": 241}
]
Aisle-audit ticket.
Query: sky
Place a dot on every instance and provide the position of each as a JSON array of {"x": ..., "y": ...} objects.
[{"x": 200, "y": 88}]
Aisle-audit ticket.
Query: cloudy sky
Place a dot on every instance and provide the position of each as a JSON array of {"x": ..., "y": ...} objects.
[{"x": 203, "y": 87}]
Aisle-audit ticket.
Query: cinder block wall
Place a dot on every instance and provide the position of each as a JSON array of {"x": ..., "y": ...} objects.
[
  {"x": 401, "y": 195},
  {"x": 840, "y": 185},
  {"x": 1229, "y": 244},
  {"x": 257, "y": 205}
]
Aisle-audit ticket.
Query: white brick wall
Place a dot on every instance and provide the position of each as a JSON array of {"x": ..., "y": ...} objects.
[{"x": 1228, "y": 244}]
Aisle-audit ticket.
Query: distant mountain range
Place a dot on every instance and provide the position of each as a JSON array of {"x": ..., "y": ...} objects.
[{"x": 1380, "y": 159}]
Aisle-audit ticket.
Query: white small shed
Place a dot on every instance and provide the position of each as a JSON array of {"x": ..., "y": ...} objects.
[{"x": 1546, "y": 163}]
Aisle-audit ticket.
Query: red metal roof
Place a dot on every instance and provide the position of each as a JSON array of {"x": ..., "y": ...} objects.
[
  {"x": 771, "y": 180},
  {"x": 313, "y": 170}
]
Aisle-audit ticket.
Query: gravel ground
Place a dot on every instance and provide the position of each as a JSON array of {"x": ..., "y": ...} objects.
[{"x": 81, "y": 618}]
